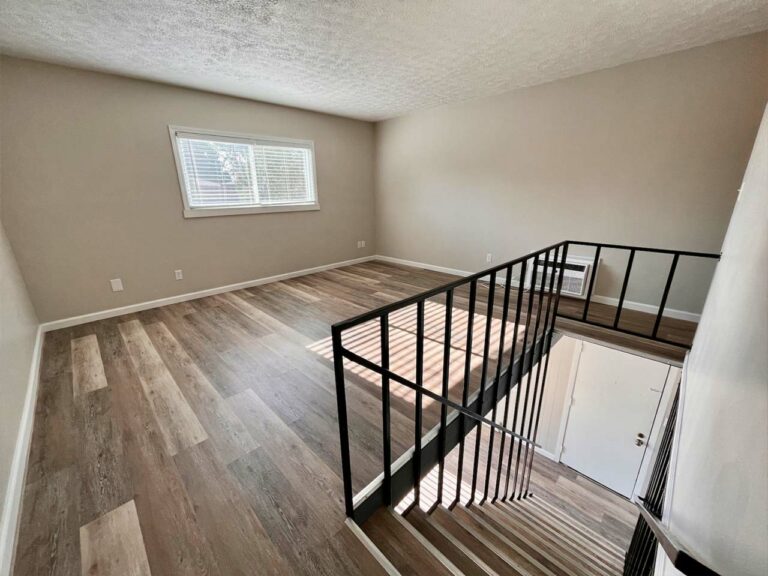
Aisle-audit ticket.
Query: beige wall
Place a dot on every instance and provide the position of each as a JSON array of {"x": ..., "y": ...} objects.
[
  {"x": 18, "y": 328},
  {"x": 91, "y": 192},
  {"x": 718, "y": 505},
  {"x": 649, "y": 153}
]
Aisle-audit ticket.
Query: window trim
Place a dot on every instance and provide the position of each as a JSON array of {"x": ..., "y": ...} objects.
[{"x": 225, "y": 136}]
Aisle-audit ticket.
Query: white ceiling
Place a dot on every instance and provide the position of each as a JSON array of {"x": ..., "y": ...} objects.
[{"x": 364, "y": 58}]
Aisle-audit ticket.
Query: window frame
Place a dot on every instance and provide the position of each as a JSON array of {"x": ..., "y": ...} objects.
[{"x": 224, "y": 136}]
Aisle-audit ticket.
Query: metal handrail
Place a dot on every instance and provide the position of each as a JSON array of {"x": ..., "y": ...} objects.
[
  {"x": 680, "y": 558},
  {"x": 524, "y": 439},
  {"x": 349, "y": 355}
]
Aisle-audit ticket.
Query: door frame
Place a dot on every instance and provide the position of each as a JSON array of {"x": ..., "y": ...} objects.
[{"x": 671, "y": 384}]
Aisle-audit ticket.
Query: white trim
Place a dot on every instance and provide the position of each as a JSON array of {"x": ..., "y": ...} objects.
[
  {"x": 208, "y": 212},
  {"x": 663, "y": 413},
  {"x": 13, "y": 495},
  {"x": 189, "y": 212},
  {"x": 649, "y": 308},
  {"x": 432, "y": 267},
  {"x": 630, "y": 304},
  {"x": 547, "y": 454},
  {"x": 371, "y": 547},
  {"x": 138, "y": 307},
  {"x": 568, "y": 400}
]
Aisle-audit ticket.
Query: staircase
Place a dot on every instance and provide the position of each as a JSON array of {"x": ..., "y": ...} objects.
[
  {"x": 470, "y": 358},
  {"x": 523, "y": 538}
]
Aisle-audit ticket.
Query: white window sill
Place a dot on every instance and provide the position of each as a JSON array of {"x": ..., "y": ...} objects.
[{"x": 205, "y": 212}]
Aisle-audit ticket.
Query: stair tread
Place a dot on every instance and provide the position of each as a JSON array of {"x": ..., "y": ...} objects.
[
  {"x": 559, "y": 556},
  {"x": 479, "y": 544},
  {"x": 406, "y": 553},
  {"x": 505, "y": 547},
  {"x": 443, "y": 542},
  {"x": 540, "y": 512}
]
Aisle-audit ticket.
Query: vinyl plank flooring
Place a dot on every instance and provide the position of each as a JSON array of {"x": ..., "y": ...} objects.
[
  {"x": 237, "y": 537},
  {"x": 311, "y": 476},
  {"x": 87, "y": 368},
  {"x": 112, "y": 545},
  {"x": 223, "y": 427},
  {"x": 48, "y": 540},
  {"x": 209, "y": 427},
  {"x": 105, "y": 479},
  {"x": 178, "y": 424},
  {"x": 173, "y": 538}
]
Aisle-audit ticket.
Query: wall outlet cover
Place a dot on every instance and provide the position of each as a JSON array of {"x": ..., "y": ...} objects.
[{"x": 117, "y": 284}]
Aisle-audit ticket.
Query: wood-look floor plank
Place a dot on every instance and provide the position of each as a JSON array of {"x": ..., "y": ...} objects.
[
  {"x": 223, "y": 427},
  {"x": 48, "y": 540},
  {"x": 105, "y": 479},
  {"x": 200, "y": 350},
  {"x": 53, "y": 446},
  {"x": 309, "y": 475},
  {"x": 173, "y": 538},
  {"x": 87, "y": 368},
  {"x": 237, "y": 537},
  {"x": 112, "y": 545},
  {"x": 178, "y": 424}
]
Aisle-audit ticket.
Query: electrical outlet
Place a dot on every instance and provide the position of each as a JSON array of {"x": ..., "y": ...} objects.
[
  {"x": 489, "y": 257},
  {"x": 362, "y": 243},
  {"x": 117, "y": 284},
  {"x": 179, "y": 274}
]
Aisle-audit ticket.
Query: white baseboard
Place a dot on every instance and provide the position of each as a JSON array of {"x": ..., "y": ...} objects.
[
  {"x": 631, "y": 305},
  {"x": 138, "y": 307},
  {"x": 649, "y": 308},
  {"x": 547, "y": 454},
  {"x": 13, "y": 495},
  {"x": 423, "y": 265}
]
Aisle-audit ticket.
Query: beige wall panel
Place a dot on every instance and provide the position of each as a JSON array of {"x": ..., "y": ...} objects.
[
  {"x": 649, "y": 153},
  {"x": 91, "y": 191}
]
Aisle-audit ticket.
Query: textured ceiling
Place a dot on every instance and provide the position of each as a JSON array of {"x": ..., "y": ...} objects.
[{"x": 364, "y": 58}]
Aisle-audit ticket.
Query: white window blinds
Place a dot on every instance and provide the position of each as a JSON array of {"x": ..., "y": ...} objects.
[{"x": 225, "y": 172}]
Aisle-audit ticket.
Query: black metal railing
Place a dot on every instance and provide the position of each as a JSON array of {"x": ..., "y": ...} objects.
[
  {"x": 502, "y": 384},
  {"x": 640, "y": 559},
  {"x": 632, "y": 251}
]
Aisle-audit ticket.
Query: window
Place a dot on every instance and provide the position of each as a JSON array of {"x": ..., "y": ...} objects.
[{"x": 223, "y": 174}]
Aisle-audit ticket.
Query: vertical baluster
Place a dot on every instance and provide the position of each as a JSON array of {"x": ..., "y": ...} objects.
[
  {"x": 664, "y": 296},
  {"x": 385, "y": 432},
  {"x": 483, "y": 376},
  {"x": 465, "y": 391},
  {"x": 444, "y": 392},
  {"x": 420, "y": 383},
  {"x": 624, "y": 288},
  {"x": 523, "y": 355},
  {"x": 549, "y": 328},
  {"x": 536, "y": 359},
  {"x": 591, "y": 289},
  {"x": 497, "y": 379},
  {"x": 509, "y": 377},
  {"x": 341, "y": 403}
]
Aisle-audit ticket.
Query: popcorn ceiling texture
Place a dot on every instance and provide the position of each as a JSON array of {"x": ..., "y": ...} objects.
[{"x": 366, "y": 59}]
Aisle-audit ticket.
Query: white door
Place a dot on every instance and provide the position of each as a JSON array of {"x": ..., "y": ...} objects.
[{"x": 615, "y": 398}]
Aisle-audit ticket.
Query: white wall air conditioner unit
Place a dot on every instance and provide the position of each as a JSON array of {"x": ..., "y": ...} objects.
[{"x": 575, "y": 276}]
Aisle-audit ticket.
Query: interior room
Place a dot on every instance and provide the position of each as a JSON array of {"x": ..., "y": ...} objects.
[{"x": 322, "y": 287}]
